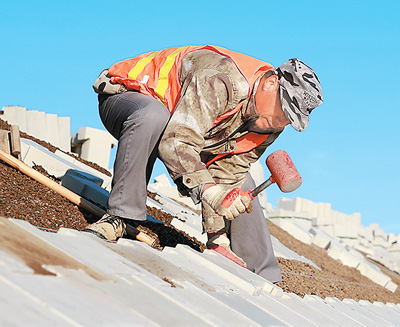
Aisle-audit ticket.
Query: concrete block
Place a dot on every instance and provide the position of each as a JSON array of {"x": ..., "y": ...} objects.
[
  {"x": 58, "y": 163},
  {"x": 311, "y": 207},
  {"x": 349, "y": 260},
  {"x": 322, "y": 221},
  {"x": 344, "y": 225},
  {"x": 260, "y": 284},
  {"x": 320, "y": 238},
  {"x": 361, "y": 319},
  {"x": 52, "y": 135},
  {"x": 262, "y": 316},
  {"x": 362, "y": 232},
  {"x": 377, "y": 231},
  {"x": 324, "y": 216},
  {"x": 350, "y": 241},
  {"x": 21, "y": 309},
  {"x": 284, "y": 252},
  {"x": 326, "y": 228},
  {"x": 67, "y": 299},
  {"x": 379, "y": 242},
  {"x": 82, "y": 174},
  {"x": 10, "y": 262},
  {"x": 36, "y": 124},
  {"x": 394, "y": 306},
  {"x": 290, "y": 204},
  {"x": 339, "y": 317},
  {"x": 296, "y": 231},
  {"x": 210, "y": 308},
  {"x": 280, "y": 213},
  {"x": 355, "y": 253},
  {"x": 33, "y": 153},
  {"x": 172, "y": 206},
  {"x": 83, "y": 167},
  {"x": 265, "y": 310},
  {"x": 395, "y": 248},
  {"x": 301, "y": 219},
  {"x": 64, "y": 133},
  {"x": 391, "y": 286},
  {"x": 392, "y": 239},
  {"x": 213, "y": 274},
  {"x": 86, "y": 188},
  {"x": 304, "y": 221},
  {"x": 382, "y": 311},
  {"x": 369, "y": 233},
  {"x": 162, "y": 185},
  {"x": 335, "y": 251},
  {"x": 372, "y": 272},
  {"x": 308, "y": 309},
  {"x": 189, "y": 229},
  {"x": 159, "y": 264},
  {"x": 94, "y": 145},
  {"x": 15, "y": 115},
  {"x": 356, "y": 218},
  {"x": 361, "y": 309}
]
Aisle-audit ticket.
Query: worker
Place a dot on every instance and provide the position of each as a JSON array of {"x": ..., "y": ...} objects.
[{"x": 208, "y": 113}]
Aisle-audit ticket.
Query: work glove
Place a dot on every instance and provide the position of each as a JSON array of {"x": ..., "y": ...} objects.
[{"x": 228, "y": 204}]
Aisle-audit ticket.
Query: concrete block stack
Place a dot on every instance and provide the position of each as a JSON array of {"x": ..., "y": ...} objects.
[
  {"x": 341, "y": 235},
  {"x": 298, "y": 209},
  {"x": 47, "y": 127}
]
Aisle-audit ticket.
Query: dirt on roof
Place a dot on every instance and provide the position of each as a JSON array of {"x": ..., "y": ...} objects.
[{"x": 23, "y": 198}]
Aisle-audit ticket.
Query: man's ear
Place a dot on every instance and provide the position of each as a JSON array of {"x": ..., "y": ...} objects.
[{"x": 270, "y": 84}]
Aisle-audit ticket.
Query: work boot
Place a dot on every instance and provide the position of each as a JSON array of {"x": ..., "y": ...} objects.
[
  {"x": 220, "y": 243},
  {"x": 109, "y": 228}
]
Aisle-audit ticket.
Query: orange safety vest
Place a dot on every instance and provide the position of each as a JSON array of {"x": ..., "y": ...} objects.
[{"x": 156, "y": 74}]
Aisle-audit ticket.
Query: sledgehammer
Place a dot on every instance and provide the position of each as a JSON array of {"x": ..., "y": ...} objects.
[{"x": 283, "y": 172}]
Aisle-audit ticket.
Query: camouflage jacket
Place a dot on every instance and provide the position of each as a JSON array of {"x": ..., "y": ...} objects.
[{"x": 211, "y": 86}]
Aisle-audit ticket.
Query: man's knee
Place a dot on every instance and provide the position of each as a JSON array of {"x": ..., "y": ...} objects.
[
  {"x": 158, "y": 118},
  {"x": 149, "y": 118}
]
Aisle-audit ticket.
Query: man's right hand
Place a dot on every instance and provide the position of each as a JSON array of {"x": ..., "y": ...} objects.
[{"x": 228, "y": 204}]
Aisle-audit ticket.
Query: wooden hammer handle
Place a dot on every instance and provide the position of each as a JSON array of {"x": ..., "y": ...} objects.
[{"x": 66, "y": 193}]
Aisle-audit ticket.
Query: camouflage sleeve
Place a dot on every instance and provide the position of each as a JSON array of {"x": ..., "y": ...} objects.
[{"x": 204, "y": 97}]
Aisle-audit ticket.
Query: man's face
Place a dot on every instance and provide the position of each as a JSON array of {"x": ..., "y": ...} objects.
[{"x": 268, "y": 106}]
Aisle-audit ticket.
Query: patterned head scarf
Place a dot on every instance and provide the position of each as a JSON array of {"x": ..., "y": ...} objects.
[{"x": 300, "y": 92}]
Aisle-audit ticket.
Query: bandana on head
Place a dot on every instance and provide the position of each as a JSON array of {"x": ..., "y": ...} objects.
[{"x": 300, "y": 92}]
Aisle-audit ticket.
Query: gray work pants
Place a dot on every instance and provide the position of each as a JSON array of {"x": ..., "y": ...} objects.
[
  {"x": 251, "y": 240},
  {"x": 137, "y": 121}
]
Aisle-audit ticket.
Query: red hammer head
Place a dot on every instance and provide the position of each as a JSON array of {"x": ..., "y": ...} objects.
[{"x": 283, "y": 171}]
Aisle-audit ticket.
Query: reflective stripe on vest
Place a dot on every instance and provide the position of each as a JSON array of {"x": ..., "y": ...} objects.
[
  {"x": 244, "y": 143},
  {"x": 138, "y": 68}
]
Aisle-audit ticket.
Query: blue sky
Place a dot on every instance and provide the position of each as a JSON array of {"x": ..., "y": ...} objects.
[{"x": 52, "y": 51}]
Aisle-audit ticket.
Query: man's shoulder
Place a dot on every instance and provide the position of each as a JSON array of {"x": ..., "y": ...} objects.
[{"x": 206, "y": 59}]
